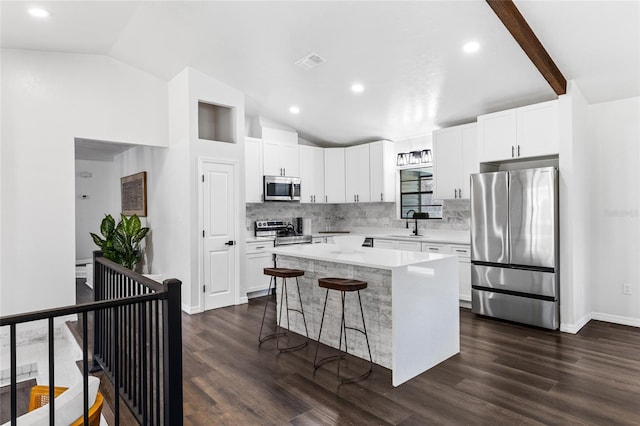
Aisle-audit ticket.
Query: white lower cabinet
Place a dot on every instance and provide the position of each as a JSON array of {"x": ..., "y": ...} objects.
[
  {"x": 322, "y": 240},
  {"x": 461, "y": 250},
  {"x": 436, "y": 248},
  {"x": 409, "y": 245},
  {"x": 464, "y": 270},
  {"x": 387, "y": 244},
  {"x": 257, "y": 259}
]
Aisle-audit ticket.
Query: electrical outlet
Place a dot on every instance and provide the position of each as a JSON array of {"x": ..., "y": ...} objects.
[{"x": 626, "y": 289}]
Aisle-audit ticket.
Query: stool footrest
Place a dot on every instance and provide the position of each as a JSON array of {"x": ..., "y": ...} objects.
[
  {"x": 271, "y": 336},
  {"x": 325, "y": 360},
  {"x": 293, "y": 348}
]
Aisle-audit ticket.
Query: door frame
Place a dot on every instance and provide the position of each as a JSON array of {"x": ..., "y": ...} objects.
[{"x": 236, "y": 189}]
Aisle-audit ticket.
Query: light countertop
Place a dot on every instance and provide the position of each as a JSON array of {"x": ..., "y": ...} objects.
[
  {"x": 427, "y": 235},
  {"x": 364, "y": 256}
]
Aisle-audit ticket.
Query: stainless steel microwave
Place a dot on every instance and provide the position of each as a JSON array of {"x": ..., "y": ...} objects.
[{"x": 281, "y": 188}]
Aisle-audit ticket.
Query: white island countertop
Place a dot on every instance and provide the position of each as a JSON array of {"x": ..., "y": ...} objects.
[
  {"x": 365, "y": 256},
  {"x": 410, "y": 303}
]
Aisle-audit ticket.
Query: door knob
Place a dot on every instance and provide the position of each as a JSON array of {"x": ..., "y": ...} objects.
[{"x": 229, "y": 243}]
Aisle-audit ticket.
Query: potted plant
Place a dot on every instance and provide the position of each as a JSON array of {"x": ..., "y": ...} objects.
[{"x": 121, "y": 242}]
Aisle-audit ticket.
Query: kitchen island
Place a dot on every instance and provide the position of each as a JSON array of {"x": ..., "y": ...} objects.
[{"x": 410, "y": 305}]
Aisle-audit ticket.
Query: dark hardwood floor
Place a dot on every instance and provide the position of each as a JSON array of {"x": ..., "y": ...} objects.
[{"x": 505, "y": 374}]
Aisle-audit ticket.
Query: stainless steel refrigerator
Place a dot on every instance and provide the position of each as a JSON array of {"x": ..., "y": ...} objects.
[{"x": 514, "y": 246}]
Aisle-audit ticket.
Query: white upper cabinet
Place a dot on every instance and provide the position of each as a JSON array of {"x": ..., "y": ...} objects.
[
  {"x": 455, "y": 158},
  {"x": 538, "y": 130},
  {"x": 497, "y": 135},
  {"x": 526, "y": 132},
  {"x": 311, "y": 174},
  {"x": 253, "y": 170},
  {"x": 358, "y": 189},
  {"x": 382, "y": 171},
  {"x": 334, "y": 175},
  {"x": 280, "y": 159}
]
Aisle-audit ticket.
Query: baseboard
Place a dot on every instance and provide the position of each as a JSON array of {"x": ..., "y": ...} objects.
[
  {"x": 259, "y": 293},
  {"x": 243, "y": 300},
  {"x": 576, "y": 327},
  {"x": 616, "y": 319},
  {"x": 465, "y": 303},
  {"x": 191, "y": 309}
]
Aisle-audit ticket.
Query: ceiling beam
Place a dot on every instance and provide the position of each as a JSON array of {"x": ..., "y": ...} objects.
[{"x": 515, "y": 23}]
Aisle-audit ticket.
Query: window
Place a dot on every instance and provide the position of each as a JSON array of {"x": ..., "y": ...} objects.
[{"x": 416, "y": 193}]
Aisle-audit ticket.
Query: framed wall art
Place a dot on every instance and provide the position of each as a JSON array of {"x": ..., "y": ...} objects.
[{"x": 133, "y": 192}]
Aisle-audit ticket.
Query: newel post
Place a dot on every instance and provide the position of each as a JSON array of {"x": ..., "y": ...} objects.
[{"x": 172, "y": 325}]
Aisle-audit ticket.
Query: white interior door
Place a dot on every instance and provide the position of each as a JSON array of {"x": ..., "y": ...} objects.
[{"x": 219, "y": 239}]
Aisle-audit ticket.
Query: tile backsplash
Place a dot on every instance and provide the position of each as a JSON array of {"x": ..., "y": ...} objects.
[{"x": 456, "y": 215}]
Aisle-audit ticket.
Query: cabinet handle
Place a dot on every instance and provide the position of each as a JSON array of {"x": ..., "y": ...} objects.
[
  {"x": 358, "y": 198},
  {"x": 460, "y": 192},
  {"x": 461, "y": 251},
  {"x": 512, "y": 151},
  {"x": 354, "y": 198},
  {"x": 311, "y": 198},
  {"x": 381, "y": 197},
  {"x": 434, "y": 249},
  {"x": 326, "y": 198},
  {"x": 518, "y": 150},
  {"x": 258, "y": 248}
]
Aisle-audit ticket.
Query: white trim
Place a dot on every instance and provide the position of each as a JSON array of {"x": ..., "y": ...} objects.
[
  {"x": 465, "y": 303},
  {"x": 574, "y": 328},
  {"x": 236, "y": 190},
  {"x": 191, "y": 309},
  {"x": 616, "y": 319},
  {"x": 243, "y": 300}
]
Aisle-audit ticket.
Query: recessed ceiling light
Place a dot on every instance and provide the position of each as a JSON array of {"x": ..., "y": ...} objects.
[
  {"x": 471, "y": 47},
  {"x": 38, "y": 13},
  {"x": 294, "y": 109},
  {"x": 357, "y": 88}
]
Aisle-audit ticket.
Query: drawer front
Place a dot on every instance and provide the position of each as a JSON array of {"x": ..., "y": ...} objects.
[
  {"x": 461, "y": 251},
  {"x": 408, "y": 245},
  {"x": 258, "y": 246},
  {"x": 520, "y": 280},
  {"x": 541, "y": 313},
  {"x": 436, "y": 248}
]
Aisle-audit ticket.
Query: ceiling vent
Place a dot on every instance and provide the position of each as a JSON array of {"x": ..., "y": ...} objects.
[{"x": 310, "y": 61}]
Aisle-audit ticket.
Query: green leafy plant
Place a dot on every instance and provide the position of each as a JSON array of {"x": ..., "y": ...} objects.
[{"x": 121, "y": 242}]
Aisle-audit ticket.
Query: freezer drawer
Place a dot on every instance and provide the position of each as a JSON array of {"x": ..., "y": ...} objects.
[
  {"x": 541, "y": 313},
  {"x": 520, "y": 280}
]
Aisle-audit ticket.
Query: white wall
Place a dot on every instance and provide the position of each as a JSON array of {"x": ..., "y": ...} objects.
[
  {"x": 102, "y": 190},
  {"x": 159, "y": 245},
  {"x": 182, "y": 249},
  {"x": 574, "y": 211},
  {"x": 202, "y": 87},
  {"x": 48, "y": 99},
  {"x": 615, "y": 204}
]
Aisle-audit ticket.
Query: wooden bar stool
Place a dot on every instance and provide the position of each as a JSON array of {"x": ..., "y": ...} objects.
[
  {"x": 283, "y": 273},
  {"x": 343, "y": 285}
]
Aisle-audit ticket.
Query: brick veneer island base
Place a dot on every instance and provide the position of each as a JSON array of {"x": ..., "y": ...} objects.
[{"x": 410, "y": 305}]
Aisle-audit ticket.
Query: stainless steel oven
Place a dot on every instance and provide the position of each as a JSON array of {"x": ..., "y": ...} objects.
[
  {"x": 281, "y": 188},
  {"x": 283, "y": 231}
]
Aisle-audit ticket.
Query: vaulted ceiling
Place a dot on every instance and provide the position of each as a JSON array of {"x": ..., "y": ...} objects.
[{"x": 408, "y": 55}]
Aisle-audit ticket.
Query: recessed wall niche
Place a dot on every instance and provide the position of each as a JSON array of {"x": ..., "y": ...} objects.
[{"x": 215, "y": 123}]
